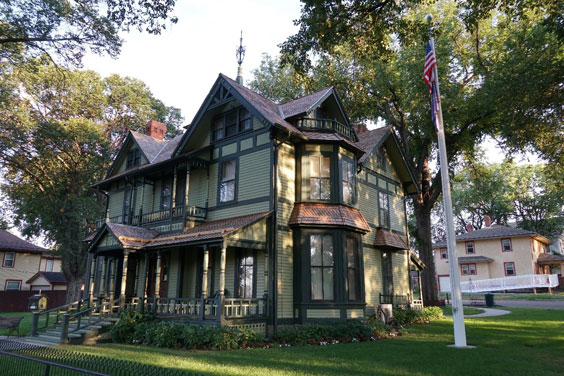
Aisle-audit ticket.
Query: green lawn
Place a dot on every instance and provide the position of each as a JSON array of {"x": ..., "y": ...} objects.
[
  {"x": 526, "y": 342},
  {"x": 25, "y": 324},
  {"x": 447, "y": 310}
]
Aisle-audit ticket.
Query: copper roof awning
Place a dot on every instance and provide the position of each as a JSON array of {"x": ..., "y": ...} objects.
[
  {"x": 388, "y": 239},
  {"x": 307, "y": 214}
]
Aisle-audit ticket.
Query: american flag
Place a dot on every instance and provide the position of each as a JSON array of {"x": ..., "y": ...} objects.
[{"x": 431, "y": 80}]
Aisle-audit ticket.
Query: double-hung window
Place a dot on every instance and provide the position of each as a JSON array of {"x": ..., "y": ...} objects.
[
  {"x": 506, "y": 245},
  {"x": 468, "y": 269},
  {"x": 9, "y": 260},
  {"x": 13, "y": 285},
  {"x": 348, "y": 181},
  {"x": 166, "y": 194},
  {"x": 353, "y": 268},
  {"x": 245, "y": 273},
  {"x": 231, "y": 123},
  {"x": 320, "y": 177},
  {"x": 227, "y": 184},
  {"x": 384, "y": 209},
  {"x": 48, "y": 265},
  {"x": 509, "y": 268},
  {"x": 470, "y": 248},
  {"x": 322, "y": 267},
  {"x": 444, "y": 253},
  {"x": 133, "y": 158}
]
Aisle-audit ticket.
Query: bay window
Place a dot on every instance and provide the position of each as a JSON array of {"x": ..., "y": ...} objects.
[
  {"x": 320, "y": 177},
  {"x": 353, "y": 268},
  {"x": 347, "y": 181},
  {"x": 384, "y": 209},
  {"x": 322, "y": 267}
]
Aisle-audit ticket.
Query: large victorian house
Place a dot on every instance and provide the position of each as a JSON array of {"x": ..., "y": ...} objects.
[{"x": 260, "y": 214}]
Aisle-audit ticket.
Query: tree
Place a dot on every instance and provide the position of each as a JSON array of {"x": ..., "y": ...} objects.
[
  {"x": 526, "y": 194},
  {"x": 489, "y": 82},
  {"x": 67, "y": 29},
  {"x": 58, "y": 129}
]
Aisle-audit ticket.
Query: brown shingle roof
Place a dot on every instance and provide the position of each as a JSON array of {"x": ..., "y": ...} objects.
[
  {"x": 303, "y": 104},
  {"x": 495, "y": 231},
  {"x": 328, "y": 215},
  {"x": 388, "y": 239},
  {"x": 10, "y": 242},
  {"x": 547, "y": 259},
  {"x": 131, "y": 236},
  {"x": 330, "y": 136},
  {"x": 149, "y": 145},
  {"x": 209, "y": 230},
  {"x": 265, "y": 106},
  {"x": 367, "y": 141}
]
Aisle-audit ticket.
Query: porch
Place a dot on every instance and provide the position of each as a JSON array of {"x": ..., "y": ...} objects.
[{"x": 220, "y": 280}]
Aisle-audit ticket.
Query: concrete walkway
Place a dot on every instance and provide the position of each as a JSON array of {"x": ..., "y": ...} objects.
[
  {"x": 489, "y": 312},
  {"x": 522, "y": 303}
]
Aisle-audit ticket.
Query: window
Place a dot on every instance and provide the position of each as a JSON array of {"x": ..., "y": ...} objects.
[
  {"x": 166, "y": 194},
  {"x": 245, "y": 274},
  {"x": 320, "y": 177},
  {"x": 353, "y": 268},
  {"x": 348, "y": 181},
  {"x": 468, "y": 269},
  {"x": 384, "y": 209},
  {"x": 509, "y": 268},
  {"x": 48, "y": 265},
  {"x": 444, "y": 253},
  {"x": 381, "y": 158},
  {"x": 322, "y": 267},
  {"x": 230, "y": 123},
  {"x": 228, "y": 178},
  {"x": 13, "y": 285},
  {"x": 133, "y": 158},
  {"x": 126, "y": 204},
  {"x": 9, "y": 260},
  {"x": 506, "y": 245},
  {"x": 470, "y": 248}
]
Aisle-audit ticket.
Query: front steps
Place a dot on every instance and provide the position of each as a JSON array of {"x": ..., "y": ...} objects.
[{"x": 52, "y": 336}]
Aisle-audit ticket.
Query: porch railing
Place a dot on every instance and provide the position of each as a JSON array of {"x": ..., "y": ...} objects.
[
  {"x": 395, "y": 300},
  {"x": 202, "y": 309},
  {"x": 326, "y": 125},
  {"x": 179, "y": 211},
  {"x": 89, "y": 316},
  {"x": 54, "y": 316}
]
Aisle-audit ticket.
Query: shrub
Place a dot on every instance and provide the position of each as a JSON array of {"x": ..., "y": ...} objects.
[
  {"x": 125, "y": 329},
  {"x": 411, "y": 316}
]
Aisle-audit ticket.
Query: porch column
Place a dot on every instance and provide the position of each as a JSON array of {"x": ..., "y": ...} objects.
[
  {"x": 104, "y": 276},
  {"x": 123, "y": 278},
  {"x": 91, "y": 280},
  {"x": 157, "y": 281},
  {"x": 136, "y": 285},
  {"x": 113, "y": 267},
  {"x": 180, "y": 273},
  {"x": 174, "y": 180},
  {"x": 205, "y": 272},
  {"x": 187, "y": 185},
  {"x": 143, "y": 294},
  {"x": 86, "y": 291},
  {"x": 221, "y": 317}
]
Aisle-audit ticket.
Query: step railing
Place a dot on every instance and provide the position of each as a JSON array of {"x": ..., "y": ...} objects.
[
  {"x": 90, "y": 316},
  {"x": 57, "y": 313}
]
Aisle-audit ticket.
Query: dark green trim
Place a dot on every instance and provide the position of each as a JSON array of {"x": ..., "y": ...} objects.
[
  {"x": 283, "y": 228},
  {"x": 252, "y": 244}
]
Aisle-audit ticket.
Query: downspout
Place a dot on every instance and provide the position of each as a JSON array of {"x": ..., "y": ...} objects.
[{"x": 274, "y": 237}]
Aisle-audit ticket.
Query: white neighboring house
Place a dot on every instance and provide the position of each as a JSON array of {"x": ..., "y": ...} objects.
[{"x": 495, "y": 252}]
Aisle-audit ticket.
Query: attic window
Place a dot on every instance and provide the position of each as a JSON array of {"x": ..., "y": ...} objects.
[
  {"x": 381, "y": 158},
  {"x": 231, "y": 123},
  {"x": 133, "y": 158}
]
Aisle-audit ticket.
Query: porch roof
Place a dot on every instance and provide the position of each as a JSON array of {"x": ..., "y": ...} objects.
[
  {"x": 54, "y": 278},
  {"x": 219, "y": 229},
  {"x": 550, "y": 259},
  {"x": 328, "y": 215},
  {"x": 388, "y": 239}
]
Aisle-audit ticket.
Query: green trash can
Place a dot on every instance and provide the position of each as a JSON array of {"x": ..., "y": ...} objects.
[{"x": 489, "y": 300}]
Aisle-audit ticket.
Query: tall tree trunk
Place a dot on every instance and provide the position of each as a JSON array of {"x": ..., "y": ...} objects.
[{"x": 425, "y": 245}]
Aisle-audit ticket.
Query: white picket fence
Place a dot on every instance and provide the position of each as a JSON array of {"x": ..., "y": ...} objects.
[{"x": 510, "y": 283}]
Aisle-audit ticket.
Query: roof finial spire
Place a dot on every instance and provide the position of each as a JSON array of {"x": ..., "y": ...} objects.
[{"x": 240, "y": 53}]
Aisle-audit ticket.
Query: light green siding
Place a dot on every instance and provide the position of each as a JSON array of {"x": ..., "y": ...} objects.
[
  {"x": 400, "y": 270},
  {"x": 254, "y": 175},
  {"x": 236, "y": 211},
  {"x": 189, "y": 282},
  {"x": 197, "y": 194},
  {"x": 285, "y": 244},
  {"x": 172, "y": 273},
  {"x": 115, "y": 206},
  {"x": 397, "y": 214},
  {"x": 246, "y": 144},
  {"x": 373, "y": 284},
  {"x": 257, "y": 124},
  {"x": 157, "y": 195},
  {"x": 213, "y": 171},
  {"x": 372, "y": 163},
  {"x": 229, "y": 149},
  {"x": 263, "y": 138}
]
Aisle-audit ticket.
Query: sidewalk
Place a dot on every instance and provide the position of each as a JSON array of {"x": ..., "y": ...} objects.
[{"x": 489, "y": 312}]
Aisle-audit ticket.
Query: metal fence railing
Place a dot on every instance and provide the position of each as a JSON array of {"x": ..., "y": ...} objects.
[{"x": 47, "y": 361}]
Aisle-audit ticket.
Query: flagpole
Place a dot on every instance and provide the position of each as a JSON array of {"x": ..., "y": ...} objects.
[{"x": 457, "y": 309}]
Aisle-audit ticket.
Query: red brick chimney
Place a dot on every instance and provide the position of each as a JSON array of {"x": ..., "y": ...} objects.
[
  {"x": 488, "y": 220},
  {"x": 469, "y": 228},
  {"x": 361, "y": 128},
  {"x": 155, "y": 129}
]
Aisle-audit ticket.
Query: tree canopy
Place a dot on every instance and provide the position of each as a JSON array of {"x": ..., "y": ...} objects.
[
  {"x": 59, "y": 131},
  {"x": 500, "y": 67},
  {"x": 66, "y": 30}
]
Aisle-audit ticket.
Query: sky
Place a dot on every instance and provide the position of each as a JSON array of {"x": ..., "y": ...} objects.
[{"x": 181, "y": 65}]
